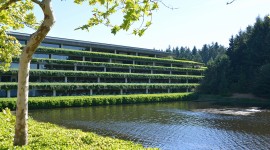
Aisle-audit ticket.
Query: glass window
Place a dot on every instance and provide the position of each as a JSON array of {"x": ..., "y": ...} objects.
[
  {"x": 61, "y": 67},
  {"x": 88, "y": 59},
  {"x": 80, "y": 68},
  {"x": 57, "y": 79},
  {"x": 41, "y": 56},
  {"x": 75, "y": 58},
  {"x": 103, "y": 50},
  {"x": 75, "y": 47},
  {"x": 127, "y": 62},
  {"x": 44, "y": 93},
  {"x": 14, "y": 79},
  {"x": 117, "y": 70},
  {"x": 5, "y": 78},
  {"x": 33, "y": 66},
  {"x": 3, "y": 93},
  {"x": 34, "y": 79},
  {"x": 61, "y": 93},
  {"x": 44, "y": 67},
  {"x": 107, "y": 92},
  {"x": 14, "y": 65},
  {"x": 71, "y": 92},
  {"x": 50, "y": 45},
  {"x": 86, "y": 80},
  {"x": 13, "y": 93},
  {"x": 32, "y": 93},
  {"x": 41, "y": 66},
  {"x": 79, "y": 92},
  {"x": 23, "y": 42},
  {"x": 100, "y": 60},
  {"x": 45, "y": 79},
  {"x": 60, "y": 57},
  {"x": 71, "y": 79}
]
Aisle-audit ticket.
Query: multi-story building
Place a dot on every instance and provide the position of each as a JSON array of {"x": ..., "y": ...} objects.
[{"x": 71, "y": 67}]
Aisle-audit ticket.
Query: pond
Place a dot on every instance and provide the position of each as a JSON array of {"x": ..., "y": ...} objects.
[{"x": 176, "y": 125}]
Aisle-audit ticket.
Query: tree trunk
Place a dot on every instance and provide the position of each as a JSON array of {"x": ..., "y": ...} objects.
[{"x": 21, "y": 128}]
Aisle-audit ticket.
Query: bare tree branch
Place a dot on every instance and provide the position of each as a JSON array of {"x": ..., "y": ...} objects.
[
  {"x": 7, "y": 4},
  {"x": 228, "y": 3},
  {"x": 160, "y": 1}
]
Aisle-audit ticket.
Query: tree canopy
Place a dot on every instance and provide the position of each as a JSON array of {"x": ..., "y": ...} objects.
[
  {"x": 13, "y": 15},
  {"x": 208, "y": 53},
  {"x": 247, "y": 67}
]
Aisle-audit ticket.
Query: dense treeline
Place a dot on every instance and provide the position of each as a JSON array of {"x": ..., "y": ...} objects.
[
  {"x": 206, "y": 54},
  {"x": 245, "y": 67}
]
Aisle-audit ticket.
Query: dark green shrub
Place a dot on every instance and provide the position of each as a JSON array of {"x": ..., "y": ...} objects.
[
  {"x": 81, "y": 101},
  {"x": 262, "y": 84}
]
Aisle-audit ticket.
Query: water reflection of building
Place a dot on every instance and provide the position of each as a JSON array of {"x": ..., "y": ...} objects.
[{"x": 72, "y": 67}]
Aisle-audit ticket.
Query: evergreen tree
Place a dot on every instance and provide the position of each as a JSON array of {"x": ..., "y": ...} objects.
[
  {"x": 262, "y": 87},
  {"x": 205, "y": 53},
  {"x": 244, "y": 70},
  {"x": 215, "y": 81},
  {"x": 194, "y": 51},
  {"x": 177, "y": 52},
  {"x": 169, "y": 49}
]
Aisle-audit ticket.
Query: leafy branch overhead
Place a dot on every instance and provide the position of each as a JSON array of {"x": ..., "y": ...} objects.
[
  {"x": 131, "y": 10},
  {"x": 13, "y": 15}
]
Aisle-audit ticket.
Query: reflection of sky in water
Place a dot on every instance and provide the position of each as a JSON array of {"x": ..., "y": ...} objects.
[
  {"x": 168, "y": 136},
  {"x": 168, "y": 126},
  {"x": 231, "y": 111}
]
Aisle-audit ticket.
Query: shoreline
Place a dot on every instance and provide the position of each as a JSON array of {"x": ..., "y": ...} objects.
[{"x": 86, "y": 101}]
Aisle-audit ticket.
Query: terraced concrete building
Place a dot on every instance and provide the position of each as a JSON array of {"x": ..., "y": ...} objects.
[{"x": 63, "y": 67}]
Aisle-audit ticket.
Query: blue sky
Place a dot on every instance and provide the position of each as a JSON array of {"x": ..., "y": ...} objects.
[{"x": 195, "y": 22}]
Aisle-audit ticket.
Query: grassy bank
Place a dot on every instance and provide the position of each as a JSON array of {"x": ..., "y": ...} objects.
[
  {"x": 49, "y": 136},
  {"x": 83, "y": 101}
]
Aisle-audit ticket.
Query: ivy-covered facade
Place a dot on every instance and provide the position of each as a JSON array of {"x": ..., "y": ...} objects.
[{"x": 65, "y": 67}]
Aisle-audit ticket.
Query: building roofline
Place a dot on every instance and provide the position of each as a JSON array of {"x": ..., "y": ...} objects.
[{"x": 75, "y": 42}]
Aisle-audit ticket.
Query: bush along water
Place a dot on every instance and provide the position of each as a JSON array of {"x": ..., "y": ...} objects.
[{"x": 83, "y": 101}]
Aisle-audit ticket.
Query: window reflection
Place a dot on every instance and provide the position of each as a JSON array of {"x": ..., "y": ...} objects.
[
  {"x": 14, "y": 65},
  {"x": 41, "y": 56},
  {"x": 50, "y": 45},
  {"x": 33, "y": 66},
  {"x": 13, "y": 93},
  {"x": 59, "y": 57},
  {"x": 3, "y": 93},
  {"x": 23, "y": 42},
  {"x": 75, "y": 47}
]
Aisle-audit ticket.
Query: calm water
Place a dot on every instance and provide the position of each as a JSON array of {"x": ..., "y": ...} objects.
[{"x": 178, "y": 125}]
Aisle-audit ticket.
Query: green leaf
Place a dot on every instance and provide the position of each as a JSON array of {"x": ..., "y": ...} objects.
[
  {"x": 148, "y": 23},
  {"x": 115, "y": 29}
]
